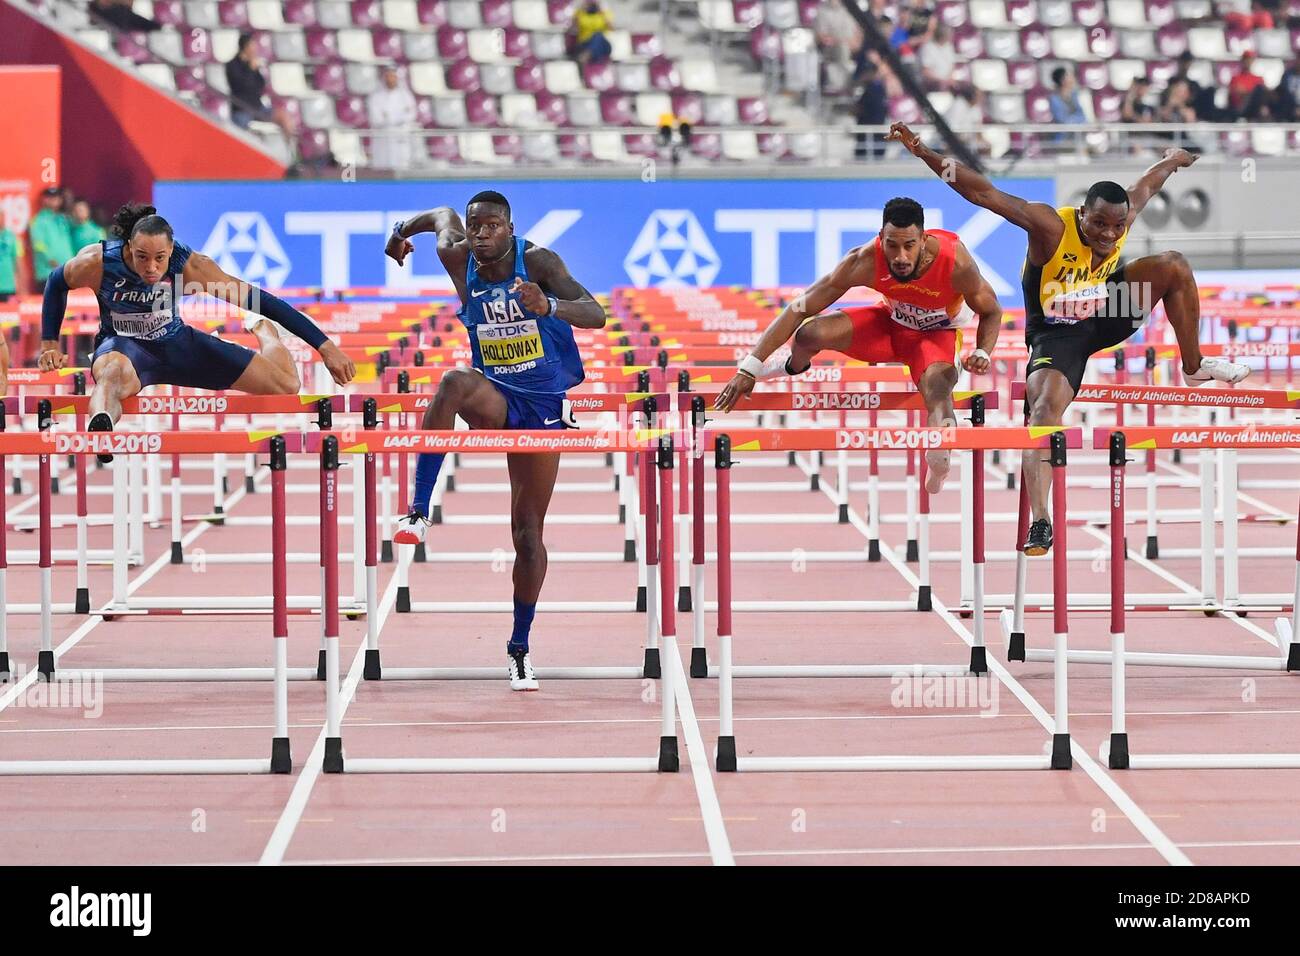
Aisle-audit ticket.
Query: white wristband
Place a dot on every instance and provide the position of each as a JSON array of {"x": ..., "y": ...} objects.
[
  {"x": 980, "y": 353},
  {"x": 751, "y": 365}
]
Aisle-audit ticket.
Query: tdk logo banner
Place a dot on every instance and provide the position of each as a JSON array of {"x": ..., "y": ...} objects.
[{"x": 705, "y": 232}]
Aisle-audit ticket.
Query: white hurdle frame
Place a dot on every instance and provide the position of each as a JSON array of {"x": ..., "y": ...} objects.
[
  {"x": 666, "y": 760},
  {"x": 1058, "y": 756}
]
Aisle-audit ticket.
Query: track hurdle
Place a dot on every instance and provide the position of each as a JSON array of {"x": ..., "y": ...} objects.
[
  {"x": 725, "y": 445},
  {"x": 666, "y": 759},
  {"x": 1223, "y": 437},
  {"x": 46, "y": 443},
  {"x": 1117, "y": 752}
]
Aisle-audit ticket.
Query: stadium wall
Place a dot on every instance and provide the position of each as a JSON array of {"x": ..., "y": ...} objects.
[{"x": 610, "y": 232}]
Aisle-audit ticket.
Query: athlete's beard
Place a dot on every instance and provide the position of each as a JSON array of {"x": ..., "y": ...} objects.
[{"x": 907, "y": 278}]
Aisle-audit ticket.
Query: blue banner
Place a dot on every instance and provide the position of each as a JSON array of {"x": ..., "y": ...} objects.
[{"x": 755, "y": 233}]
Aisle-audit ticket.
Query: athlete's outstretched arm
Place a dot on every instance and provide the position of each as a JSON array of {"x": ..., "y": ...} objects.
[
  {"x": 556, "y": 292},
  {"x": 453, "y": 247},
  {"x": 1038, "y": 219},
  {"x": 84, "y": 270},
  {"x": 856, "y": 268},
  {"x": 1151, "y": 181},
  {"x": 206, "y": 275},
  {"x": 967, "y": 280}
]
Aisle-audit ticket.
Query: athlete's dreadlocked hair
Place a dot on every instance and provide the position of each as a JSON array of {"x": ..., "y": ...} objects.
[
  {"x": 137, "y": 218},
  {"x": 490, "y": 196}
]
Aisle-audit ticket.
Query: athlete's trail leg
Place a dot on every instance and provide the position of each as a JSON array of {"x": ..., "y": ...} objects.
[
  {"x": 1049, "y": 394},
  {"x": 834, "y": 331},
  {"x": 936, "y": 385},
  {"x": 270, "y": 371},
  {"x": 1168, "y": 278},
  {"x": 115, "y": 379}
]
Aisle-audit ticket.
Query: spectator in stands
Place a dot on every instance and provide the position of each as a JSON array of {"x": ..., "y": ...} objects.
[
  {"x": 591, "y": 22},
  {"x": 1248, "y": 97},
  {"x": 85, "y": 230},
  {"x": 1064, "y": 101},
  {"x": 118, "y": 13},
  {"x": 965, "y": 116},
  {"x": 838, "y": 38},
  {"x": 1175, "y": 103},
  {"x": 1286, "y": 98},
  {"x": 1136, "y": 109},
  {"x": 50, "y": 235},
  {"x": 392, "y": 109},
  {"x": 872, "y": 110},
  {"x": 11, "y": 251},
  {"x": 938, "y": 58},
  {"x": 247, "y": 84},
  {"x": 1244, "y": 15},
  {"x": 1200, "y": 98}
]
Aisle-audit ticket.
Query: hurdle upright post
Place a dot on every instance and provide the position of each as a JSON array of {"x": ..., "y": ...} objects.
[
  {"x": 684, "y": 501},
  {"x": 325, "y": 421},
  {"x": 281, "y": 761},
  {"x": 726, "y": 752},
  {"x": 370, "y": 421},
  {"x": 669, "y": 761},
  {"x": 1118, "y": 758},
  {"x": 82, "y": 603},
  {"x": 1153, "y": 542},
  {"x": 45, "y": 658},
  {"x": 1289, "y": 643},
  {"x": 650, "y": 510},
  {"x": 329, "y": 464},
  {"x": 978, "y": 651},
  {"x": 699, "y": 654},
  {"x": 1061, "y": 759}
]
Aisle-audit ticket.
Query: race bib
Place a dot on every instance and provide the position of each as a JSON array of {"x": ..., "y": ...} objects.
[
  {"x": 1075, "y": 305},
  {"x": 919, "y": 317},
  {"x": 141, "y": 325},
  {"x": 511, "y": 347}
]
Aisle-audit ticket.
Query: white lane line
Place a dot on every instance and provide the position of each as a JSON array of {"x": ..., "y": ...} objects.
[
  {"x": 715, "y": 830},
  {"x": 97, "y": 618},
  {"x": 296, "y": 805},
  {"x": 1144, "y": 824}
]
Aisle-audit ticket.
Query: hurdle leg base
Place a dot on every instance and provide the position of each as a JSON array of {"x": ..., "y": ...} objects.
[
  {"x": 1061, "y": 759},
  {"x": 668, "y": 759},
  {"x": 372, "y": 669},
  {"x": 790, "y": 460},
  {"x": 873, "y": 549},
  {"x": 4, "y": 667},
  {"x": 403, "y": 600},
  {"x": 1118, "y": 759},
  {"x": 640, "y": 598},
  {"x": 250, "y": 486},
  {"x": 82, "y": 603},
  {"x": 844, "y": 514},
  {"x": 979, "y": 661},
  {"x": 650, "y": 666},
  {"x": 726, "y": 762},
  {"x": 219, "y": 515},
  {"x": 629, "y": 552},
  {"x": 386, "y": 552},
  {"x": 1293, "y": 656},
  {"x": 924, "y": 601},
  {"x": 333, "y": 762},
  {"x": 622, "y": 514},
  {"x": 683, "y": 597},
  {"x": 320, "y": 664},
  {"x": 54, "y": 485},
  {"x": 699, "y": 662},
  {"x": 45, "y": 665},
  {"x": 1016, "y": 646},
  {"x": 1153, "y": 547},
  {"x": 281, "y": 762},
  {"x": 913, "y": 553},
  {"x": 814, "y": 482},
  {"x": 178, "y": 556},
  {"x": 1178, "y": 456},
  {"x": 18, "y": 486},
  {"x": 419, "y": 557},
  {"x": 225, "y": 484},
  {"x": 435, "y": 517},
  {"x": 451, "y": 482},
  {"x": 1011, "y": 481}
]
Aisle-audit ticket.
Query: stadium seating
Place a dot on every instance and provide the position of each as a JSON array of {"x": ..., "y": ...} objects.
[{"x": 498, "y": 74}]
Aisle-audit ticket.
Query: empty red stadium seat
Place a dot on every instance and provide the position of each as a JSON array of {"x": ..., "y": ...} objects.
[
  {"x": 329, "y": 78},
  {"x": 616, "y": 109},
  {"x": 497, "y": 13},
  {"x": 481, "y": 109},
  {"x": 529, "y": 77},
  {"x": 688, "y": 107},
  {"x": 432, "y": 13},
  {"x": 351, "y": 111},
  {"x": 598, "y": 76},
  {"x": 299, "y": 12},
  {"x": 462, "y": 75},
  {"x": 518, "y": 44},
  {"x": 452, "y": 44},
  {"x": 232, "y": 13},
  {"x": 552, "y": 108}
]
